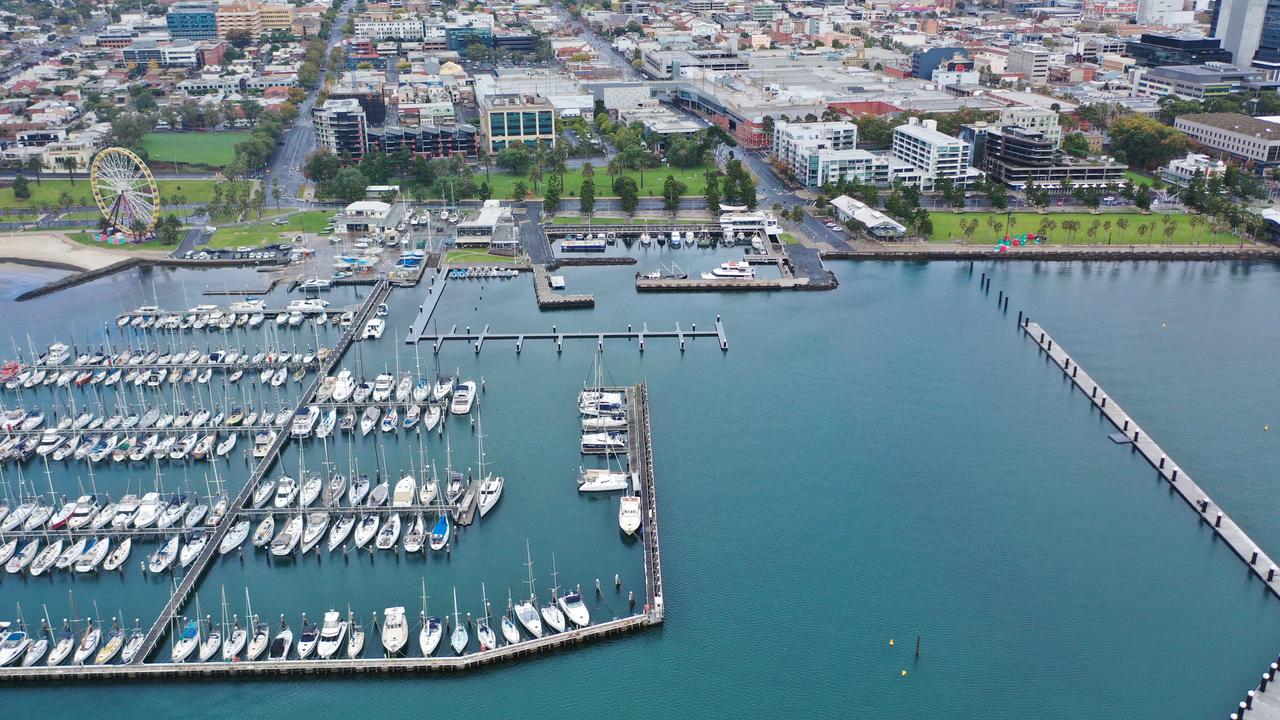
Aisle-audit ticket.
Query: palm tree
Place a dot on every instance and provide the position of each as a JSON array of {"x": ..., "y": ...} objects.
[
  {"x": 535, "y": 173},
  {"x": 1107, "y": 226},
  {"x": 482, "y": 158},
  {"x": 1123, "y": 224}
]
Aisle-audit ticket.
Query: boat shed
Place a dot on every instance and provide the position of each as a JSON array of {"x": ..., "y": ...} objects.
[{"x": 876, "y": 223}]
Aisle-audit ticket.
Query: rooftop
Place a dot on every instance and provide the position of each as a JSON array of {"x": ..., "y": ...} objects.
[{"x": 1235, "y": 122}]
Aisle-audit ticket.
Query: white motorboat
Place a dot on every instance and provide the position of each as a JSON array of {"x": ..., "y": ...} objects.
[
  {"x": 288, "y": 538},
  {"x": 602, "y": 480},
  {"x": 332, "y": 633},
  {"x": 340, "y": 530},
  {"x": 304, "y": 421},
  {"x": 374, "y": 328},
  {"x": 604, "y": 442},
  {"x": 382, "y": 387},
  {"x": 343, "y": 386},
  {"x": 13, "y": 647},
  {"x": 281, "y": 645},
  {"x": 366, "y": 529},
  {"x": 389, "y": 535},
  {"x": 395, "y": 631},
  {"x": 734, "y": 270},
  {"x": 463, "y": 398},
  {"x": 307, "y": 640},
  {"x": 404, "y": 491},
  {"x": 286, "y": 492},
  {"x": 629, "y": 514},
  {"x": 573, "y": 607},
  {"x": 235, "y": 537}
]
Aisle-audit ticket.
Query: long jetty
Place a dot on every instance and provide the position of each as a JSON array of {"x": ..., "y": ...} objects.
[
  {"x": 644, "y": 333},
  {"x": 640, "y": 461},
  {"x": 428, "y": 307},
  {"x": 201, "y": 564},
  {"x": 1263, "y": 702}
]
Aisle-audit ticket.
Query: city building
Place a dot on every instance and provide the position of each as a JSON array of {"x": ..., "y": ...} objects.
[
  {"x": 1164, "y": 12},
  {"x": 516, "y": 119},
  {"x": 1249, "y": 30},
  {"x": 1196, "y": 82},
  {"x": 493, "y": 228},
  {"x": 426, "y": 141},
  {"x": 1029, "y": 61},
  {"x": 924, "y": 62},
  {"x": 936, "y": 155},
  {"x": 340, "y": 128},
  {"x": 1042, "y": 120},
  {"x": 368, "y": 217},
  {"x": 1016, "y": 155},
  {"x": 254, "y": 18},
  {"x": 667, "y": 64},
  {"x": 192, "y": 21},
  {"x": 1234, "y": 135},
  {"x": 872, "y": 221},
  {"x": 1155, "y": 50},
  {"x": 182, "y": 53},
  {"x": 387, "y": 26},
  {"x": 1183, "y": 170},
  {"x": 826, "y": 152}
]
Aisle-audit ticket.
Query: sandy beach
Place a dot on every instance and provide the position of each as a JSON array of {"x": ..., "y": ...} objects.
[{"x": 54, "y": 249}]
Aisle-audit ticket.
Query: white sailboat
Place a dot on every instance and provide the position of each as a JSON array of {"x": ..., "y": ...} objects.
[
  {"x": 485, "y": 635},
  {"x": 432, "y": 629},
  {"x": 526, "y": 612},
  {"x": 550, "y": 613},
  {"x": 460, "y": 637}
]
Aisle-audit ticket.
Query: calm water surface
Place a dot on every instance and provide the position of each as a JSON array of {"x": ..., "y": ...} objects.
[{"x": 885, "y": 461}]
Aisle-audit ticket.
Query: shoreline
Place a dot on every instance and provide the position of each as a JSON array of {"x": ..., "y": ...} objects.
[{"x": 1077, "y": 252}]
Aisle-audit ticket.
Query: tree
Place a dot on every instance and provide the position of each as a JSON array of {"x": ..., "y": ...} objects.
[
  {"x": 20, "y": 189},
  {"x": 167, "y": 229},
  {"x": 1145, "y": 142},
  {"x": 747, "y": 191},
  {"x": 1090, "y": 197},
  {"x": 516, "y": 159},
  {"x": 349, "y": 184},
  {"x": 628, "y": 194},
  {"x": 551, "y": 196},
  {"x": 712, "y": 190},
  {"x": 587, "y": 196},
  {"x": 34, "y": 165},
  {"x": 277, "y": 192},
  {"x": 951, "y": 193},
  {"x": 128, "y": 128},
  {"x": 672, "y": 189},
  {"x": 1142, "y": 197},
  {"x": 535, "y": 174},
  {"x": 767, "y": 126},
  {"x": 1035, "y": 194},
  {"x": 1075, "y": 144},
  {"x": 520, "y": 191},
  {"x": 995, "y": 191},
  {"x": 321, "y": 167}
]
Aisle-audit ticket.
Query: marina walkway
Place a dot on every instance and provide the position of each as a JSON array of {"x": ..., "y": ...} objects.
[
  {"x": 435, "y": 288},
  {"x": 479, "y": 339},
  {"x": 1264, "y": 701},
  {"x": 185, "y": 587}
]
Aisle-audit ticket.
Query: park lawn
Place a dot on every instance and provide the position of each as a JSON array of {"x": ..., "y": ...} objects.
[
  {"x": 501, "y": 184},
  {"x": 475, "y": 256},
  {"x": 213, "y": 150},
  {"x": 595, "y": 220},
  {"x": 263, "y": 232},
  {"x": 1138, "y": 178},
  {"x": 86, "y": 237},
  {"x": 789, "y": 239},
  {"x": 946, "y": 228},
  {"x": 47, "y": 192}
]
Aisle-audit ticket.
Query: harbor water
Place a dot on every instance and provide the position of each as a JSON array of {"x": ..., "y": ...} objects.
[{"x": 886, "y": 461}]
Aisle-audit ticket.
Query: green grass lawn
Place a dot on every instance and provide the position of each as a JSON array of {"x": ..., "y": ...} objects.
[
  {"x": 1138, "y": 178},
  {"x": 579, "y": 220},
  {"x": 789, "y": 239},
  {"x": 86, "y": 237},
  {"x": 502, "y": 183},
  {"x": 212, "y": 150},
  {"x": 259, "y": 233},
  {"x": 47, "y": 192},
  {"x": 947, "y": 228},
  {"x": 475, "y": 256}
]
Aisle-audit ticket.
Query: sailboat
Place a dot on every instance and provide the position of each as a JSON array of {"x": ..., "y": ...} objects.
[
  {"x": 65, "y": 644},
  {"x": 525, "y": 611},
  {"x": 484, "y": 631},
  {"x": 550, "y": 613},
  {"x": 390, "y": 533},
  {"x": 261, "y": 636},
  {"x": 459, "y": 638},
  {"x": 510, "y": 632},
  {"x": 415, "y": 534},
  {"x": 211, "y": 642},
  {"x": 340, "y": 530},
  {"x": 187, "y": 642},
  {"x": 490, "y": 484},
  {"x": 355, "y": 636},
  {"x": 432, "y": 629},
  {"x": 132, "y": 644},
  {"x": 89, "y": 643}
]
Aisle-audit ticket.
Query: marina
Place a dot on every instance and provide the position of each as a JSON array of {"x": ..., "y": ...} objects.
[{"x": 478, "y": 339}]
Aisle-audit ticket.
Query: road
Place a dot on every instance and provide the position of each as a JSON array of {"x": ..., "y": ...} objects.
[
  {"x": 286, "y": 164},
  {"x": 602, "y": 47}
]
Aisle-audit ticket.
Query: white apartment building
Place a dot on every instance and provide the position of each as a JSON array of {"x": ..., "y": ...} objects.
[
  {"x": 935, "y": 154},
  {"x": 1042, "y": 120},
  {"x": 1029, "y": 61},
  {"x": 389, "y": 27},
  {"x": 819, "y": 153},
  {"x": 340, "y": 128},
  {"x": 1183, "y": 170}
]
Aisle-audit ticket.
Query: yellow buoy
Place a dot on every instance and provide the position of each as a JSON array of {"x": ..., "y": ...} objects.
[
  {"x": 890, "y": 642},
  {"x": 904, "y": 673}
]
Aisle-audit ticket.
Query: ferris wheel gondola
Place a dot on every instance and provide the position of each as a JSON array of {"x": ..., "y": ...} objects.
[{"x": 125, "y": 191}]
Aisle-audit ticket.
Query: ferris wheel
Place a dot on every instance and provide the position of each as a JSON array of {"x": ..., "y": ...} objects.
[{"x": 125, "y": 191}]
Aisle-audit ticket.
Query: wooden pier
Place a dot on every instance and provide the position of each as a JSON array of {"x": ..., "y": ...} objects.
[
  {"x": 428, "y": 307},
  {"x": 1260, "y": 564},
  {"x": 188, "y": 583},
  {"x": 548, "y": 300},
  {"x": 1264, "y": 701},
  {"x": 641, "y": 463},
  {"x": 478, "y": 339},
  {"x": 644, "y": 284}
]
